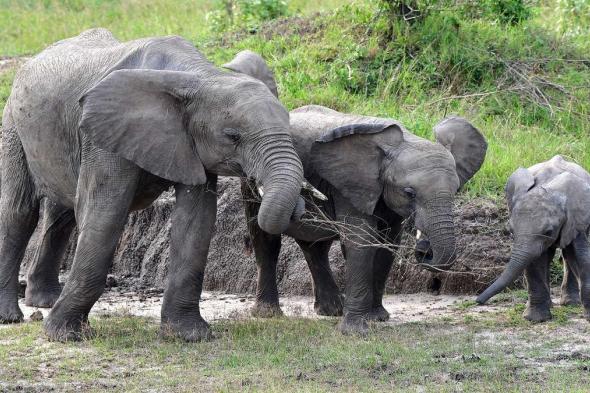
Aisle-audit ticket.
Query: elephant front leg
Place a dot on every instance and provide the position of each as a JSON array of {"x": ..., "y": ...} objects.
[
  {"x": 328, "y": 300},
  {"x": 539, "y": 302},
  {"x": 43, "y": 288},
  {"x": 358, "y": 300},
  {"x": 105, "y": 193},
  {"x": 381, "y": 268},
  {"x": 193, "y": 221}
]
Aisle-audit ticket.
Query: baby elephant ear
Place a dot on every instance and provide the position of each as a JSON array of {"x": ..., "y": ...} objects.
[
  {"x": 252, "y": 64},
  {"x": 138, "y": 115},
  {"x": 576, "y": 193},
  {"x": 519, "y": 183},
  {"x": 350, "y": 159},
  {"x": 467, "y": 145}
]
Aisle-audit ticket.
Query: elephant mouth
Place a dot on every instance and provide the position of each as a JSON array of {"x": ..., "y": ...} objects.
[{"x": 423, "y": 253}]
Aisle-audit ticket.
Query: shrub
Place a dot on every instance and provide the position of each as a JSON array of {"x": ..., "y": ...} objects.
[{"x": 228, "y": 14}]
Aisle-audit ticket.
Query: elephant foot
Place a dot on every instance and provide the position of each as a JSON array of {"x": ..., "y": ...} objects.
[
  {"x": 266, "y": 310},
  {"x": 190, "y": 331},
  {"x": 329, "y": 305},
  {"x": 10, "y": 311},
  {"x": 570, "y": 299},
  {"x": 537, "y": 313},
  {"x": 70, "y": 328},
  {"x": 356, "y": 326},
  {"x": 379, "y": 314},
  {"x": 41, "y": 297}
]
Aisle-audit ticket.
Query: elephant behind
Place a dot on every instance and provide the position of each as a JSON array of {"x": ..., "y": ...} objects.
[
  {"x": 549, "y": 205},
  {"x": 102, "y": 127}
]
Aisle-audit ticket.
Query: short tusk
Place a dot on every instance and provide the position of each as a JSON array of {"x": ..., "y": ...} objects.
[
  {"x": 314, "y": 191},
  {"x": 261, "y": 191},
  {"x": 418, "y": 234}
]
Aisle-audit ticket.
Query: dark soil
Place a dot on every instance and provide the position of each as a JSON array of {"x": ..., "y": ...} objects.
[{"x": 141, "y": 259}]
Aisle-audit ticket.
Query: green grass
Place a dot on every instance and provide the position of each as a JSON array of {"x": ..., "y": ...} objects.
[
  {"x": 289, "y": 354},
  {"x": 341, "y": 60}
]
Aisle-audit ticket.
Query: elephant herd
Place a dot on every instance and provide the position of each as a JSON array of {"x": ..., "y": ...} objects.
[{"x": 95, "y": 128}]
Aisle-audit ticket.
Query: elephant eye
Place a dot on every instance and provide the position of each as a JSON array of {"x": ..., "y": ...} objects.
[
  {"x": 409, "y": 191},
  {"x": 548, "y": 233},
  {"x": 232, "y": 134}
]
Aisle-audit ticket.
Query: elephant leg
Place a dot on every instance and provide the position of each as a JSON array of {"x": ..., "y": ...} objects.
[
  {"x": 381, "y": 268},
  {"x": 570, "y": 290},
  {"x": 43, "y": 288},
  {"x": 105, "y": 192},
  {"x": 539, "y": 303},
  {"x": 19, "y": 211},
  {"x": 266, "y": 252},
  {"x": 328, "y": 300},
  {"x": 390, "y": 227},
  {"x": 193, "y": 223},
  {"x": 577, "y": 256}
]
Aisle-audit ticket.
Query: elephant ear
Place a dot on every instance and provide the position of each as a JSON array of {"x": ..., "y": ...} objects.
[
  {"x": 576, "y": 193},
  {"x": 252, "y": 64},
  {"x": 350, "y": 159},
  {"x": 519, "y": 183},
  {"x": 467, "y": 145},
  {"x": 138, "y": 114}
]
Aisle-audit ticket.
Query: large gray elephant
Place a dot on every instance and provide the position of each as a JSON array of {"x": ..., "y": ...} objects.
[
  {"x": 58, "y": 221},
  {"x": 103, "y": 127},
  {"x": 375, "y": 174},
  {"x": 549, "y": 206}
]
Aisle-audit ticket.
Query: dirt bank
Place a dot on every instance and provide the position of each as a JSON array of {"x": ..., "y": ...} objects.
[{"x": 142, "y": 257}]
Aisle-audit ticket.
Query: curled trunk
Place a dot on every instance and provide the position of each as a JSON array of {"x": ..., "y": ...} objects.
[
  {"x": 281, "y": 175},
  {"x": 518, "y": 262},
  {"x": 440, "y": 228}
]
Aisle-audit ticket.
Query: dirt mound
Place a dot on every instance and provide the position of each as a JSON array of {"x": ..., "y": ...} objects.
[{"x": 141, "y": 260}]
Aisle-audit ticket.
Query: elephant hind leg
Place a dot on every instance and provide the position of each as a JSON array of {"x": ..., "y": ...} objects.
[
  {"x": 43, "y": 288},
  {"x": 570, "y": 290},
  {"x": 328, "y": 300},
  {"x": 19, "y": 211}
]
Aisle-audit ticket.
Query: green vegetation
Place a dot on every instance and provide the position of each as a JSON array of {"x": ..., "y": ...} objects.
[
  {"x": 295, "y": 354},
  {"x": 521, "y": 79}
]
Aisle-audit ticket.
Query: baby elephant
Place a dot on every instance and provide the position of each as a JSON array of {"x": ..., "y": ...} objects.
[{"x": 549, "y": 206}]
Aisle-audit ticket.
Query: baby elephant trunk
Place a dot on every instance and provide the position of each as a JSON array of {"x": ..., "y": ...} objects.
[
  {"x": 518, "y": 262},
  {"x": 440, "y": 229}
]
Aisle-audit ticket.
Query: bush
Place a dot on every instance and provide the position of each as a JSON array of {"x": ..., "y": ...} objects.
[{"x": 228, "y": 14}]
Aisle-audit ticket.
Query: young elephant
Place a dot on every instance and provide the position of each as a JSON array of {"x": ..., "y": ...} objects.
[
  {"x": 549, "y": 206},
  {"x": 374, "y": 174},
  {"x": 102, "y": 127}
]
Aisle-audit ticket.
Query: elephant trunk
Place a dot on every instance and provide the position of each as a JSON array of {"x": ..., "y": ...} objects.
[
  {"x": 281, "y": 175},
  {"x": 440, "y": 228},
  {"x": 518, "y": 262}
]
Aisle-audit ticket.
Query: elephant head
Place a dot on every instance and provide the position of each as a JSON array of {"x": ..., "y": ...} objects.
[
  {"x": 179, "y": 125},
  {"x": 415, "y": 177},
  {"x": 541, "y": 216}
]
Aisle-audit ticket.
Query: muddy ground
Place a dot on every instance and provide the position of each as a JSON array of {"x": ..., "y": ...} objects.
[{"x": 141, "y": 259}]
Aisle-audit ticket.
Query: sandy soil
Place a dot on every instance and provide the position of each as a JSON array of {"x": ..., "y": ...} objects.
[{"x": 216, "y": 306}]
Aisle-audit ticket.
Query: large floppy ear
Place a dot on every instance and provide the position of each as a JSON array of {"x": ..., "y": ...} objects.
[
  {"x": 350, "y": 159},
  {"x": 576, "y": 193},
  {"x": 138, "y": 114},
  {"x": 467, "y": 145},
  {"x": 519, "y": 183},
  {"x": 252, "y": 64}
]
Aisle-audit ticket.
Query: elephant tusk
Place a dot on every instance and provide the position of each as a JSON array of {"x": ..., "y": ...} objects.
[
  {"x": 314, "y": 191},
  {"x": 261, "y": 191},
  {"x": 418, "y": 234}
]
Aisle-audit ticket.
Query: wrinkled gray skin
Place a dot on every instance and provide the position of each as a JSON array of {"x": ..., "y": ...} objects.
[
  {"x": 102, "y": 127},
  {"x": 43, "y": 287},
  {"x": 549, "y": 207},
  {"x": 375, "y": 174}
]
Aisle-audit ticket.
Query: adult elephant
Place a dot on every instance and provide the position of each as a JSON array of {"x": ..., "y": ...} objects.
[
  {"x": 375, "y": 174},
  {"x": 103, "y": 127}
]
